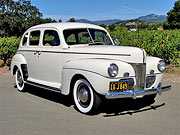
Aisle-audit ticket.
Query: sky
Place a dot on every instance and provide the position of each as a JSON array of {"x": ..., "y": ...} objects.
[{"x": 101, "y": 9}]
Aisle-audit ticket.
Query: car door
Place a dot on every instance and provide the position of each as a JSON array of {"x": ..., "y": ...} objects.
[
  {"x": 32, "y": 53},
  {"x": 50, "y": 58}
]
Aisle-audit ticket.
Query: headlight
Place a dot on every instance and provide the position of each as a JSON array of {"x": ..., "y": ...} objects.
[
  {"x": 161, "y": 66},
  {"x": 113, "y": 70}
]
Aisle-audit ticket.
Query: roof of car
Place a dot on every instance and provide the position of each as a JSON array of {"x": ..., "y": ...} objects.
[{"x": 68, "y": 25}]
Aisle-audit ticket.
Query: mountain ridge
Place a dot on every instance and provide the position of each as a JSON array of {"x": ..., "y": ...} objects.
[
  {"x": 105, "y": 22},
  {"x": 153, "y": 18},
  {"x": 147, "y": 18}
]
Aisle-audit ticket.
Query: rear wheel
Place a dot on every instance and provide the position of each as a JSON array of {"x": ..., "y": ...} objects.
[
  {"x": 86, "y": 100},
  {"x": 19, "y": 81}
]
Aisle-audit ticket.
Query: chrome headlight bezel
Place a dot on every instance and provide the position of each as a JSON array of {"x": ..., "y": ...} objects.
[
  {"x": 161, "y": 66},
  {"x": 113, "y": 70}
]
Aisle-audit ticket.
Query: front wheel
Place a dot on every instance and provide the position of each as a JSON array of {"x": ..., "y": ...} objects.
[
  {"x": 19, "y": 81},
  {"x": 86, "y": 100}
]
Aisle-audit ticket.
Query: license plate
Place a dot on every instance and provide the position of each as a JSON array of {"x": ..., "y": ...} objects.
[{"x": 118, "y": 86}]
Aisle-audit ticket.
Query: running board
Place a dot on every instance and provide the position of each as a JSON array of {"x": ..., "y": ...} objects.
[{"x": 44, "y": 86}]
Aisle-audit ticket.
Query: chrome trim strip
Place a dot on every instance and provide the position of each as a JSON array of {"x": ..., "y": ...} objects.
[
  {"x": 134, "y": 94},
  {"x": 153, "y": 74},
  {"x": 144, "y": 56},
  {"x": 74, "y": 53},
  {"x": 100, "y": 74}
]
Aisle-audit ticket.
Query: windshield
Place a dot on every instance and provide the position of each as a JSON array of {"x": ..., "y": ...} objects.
[{"x": 86, "y": 36}]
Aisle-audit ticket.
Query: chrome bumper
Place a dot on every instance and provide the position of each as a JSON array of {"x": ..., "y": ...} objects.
[{"x": 133, "y": 94}]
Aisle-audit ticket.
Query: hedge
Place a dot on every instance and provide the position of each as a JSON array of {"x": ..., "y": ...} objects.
[
  {"x": 164, "y": 44},
  {"x": 8, "y": 47}
]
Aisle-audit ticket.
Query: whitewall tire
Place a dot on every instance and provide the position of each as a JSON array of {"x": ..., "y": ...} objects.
[
  {"x": 19, "y": 80},
  {"x": 85, "y": 99}
]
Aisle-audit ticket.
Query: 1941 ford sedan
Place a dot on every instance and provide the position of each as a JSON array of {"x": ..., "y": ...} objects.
[{"x": 82, "y": 60}]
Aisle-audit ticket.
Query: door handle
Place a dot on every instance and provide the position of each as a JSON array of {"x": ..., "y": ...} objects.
[{"x": 37, "y": 52}]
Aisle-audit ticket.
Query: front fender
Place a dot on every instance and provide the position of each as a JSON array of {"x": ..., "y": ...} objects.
[
  {"x": 95, "y": 71},
  {"x": 152, "y": 64}
]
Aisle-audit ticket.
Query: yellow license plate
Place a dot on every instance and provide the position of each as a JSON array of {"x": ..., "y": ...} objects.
[{"x": 118, "y": 86}]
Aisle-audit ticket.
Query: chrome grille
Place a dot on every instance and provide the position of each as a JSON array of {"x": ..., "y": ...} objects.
[{"x": 140, "y": 73}]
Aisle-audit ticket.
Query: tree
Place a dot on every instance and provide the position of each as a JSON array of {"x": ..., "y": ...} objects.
[
  {"x": 47, "y": 20},
  {"x": 103, "y": 25},
  {"x": 112, "y": 27},
  {"x": 60, "y": 21},
  {"x": 173, "y": 17},
  {"x": 71, "y": 20},
  {"x": 17, "y": 16}
]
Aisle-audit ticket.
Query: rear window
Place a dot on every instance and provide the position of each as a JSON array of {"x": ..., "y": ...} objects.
[
  {"x": 51, "y": 38},
  {"x": 34, "y": 38}
]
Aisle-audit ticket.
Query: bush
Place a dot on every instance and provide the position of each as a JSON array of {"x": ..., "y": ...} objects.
[
  {"x": 164, "y": 44},
  {"x": 8, "y": 47}
]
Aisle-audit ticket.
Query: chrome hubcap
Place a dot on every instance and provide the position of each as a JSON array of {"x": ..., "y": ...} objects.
[
  {"x": 19, "y": 79},
  {"x": 83, "y": 95}
]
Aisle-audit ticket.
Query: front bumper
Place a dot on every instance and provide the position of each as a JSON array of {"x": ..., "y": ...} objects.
[{"x": 133, "y": 94}]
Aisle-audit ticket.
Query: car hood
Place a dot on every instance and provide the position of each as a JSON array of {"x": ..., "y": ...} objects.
[{"x": 122, "y": 53}]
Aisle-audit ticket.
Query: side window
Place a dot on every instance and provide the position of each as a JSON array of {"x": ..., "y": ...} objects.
[
  {"x": 84, "y": 37},
  {"x": 24, "y": 42},
  {"x": 34, "y": 38},
  {"x": 51, "y": 38},
  {"x": 71, "y": 39},
  {"x": 76, "y": 36}
]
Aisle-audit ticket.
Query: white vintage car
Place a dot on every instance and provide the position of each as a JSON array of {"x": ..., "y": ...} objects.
[{"x": 82, "y": 60}]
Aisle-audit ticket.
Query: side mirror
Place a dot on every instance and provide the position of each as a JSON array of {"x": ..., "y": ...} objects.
[{"x": 116, "y": 41}]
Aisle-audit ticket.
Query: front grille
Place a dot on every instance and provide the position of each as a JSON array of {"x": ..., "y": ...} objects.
[{"x": 140, "y": 73}]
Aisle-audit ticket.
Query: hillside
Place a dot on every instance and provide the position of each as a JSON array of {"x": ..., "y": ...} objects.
[
  {"x": 153, "y": 18},
  {"x": 105, "y": 22},
  {"x": 147, "y": 18}
]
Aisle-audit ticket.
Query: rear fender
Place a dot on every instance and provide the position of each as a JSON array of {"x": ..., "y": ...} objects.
[{"x": 18, "y": 61}]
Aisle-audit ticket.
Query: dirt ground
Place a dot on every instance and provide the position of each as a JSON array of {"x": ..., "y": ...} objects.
[
  {"x": 172, "y": 77},
  {"x": 4, "y": 71}
]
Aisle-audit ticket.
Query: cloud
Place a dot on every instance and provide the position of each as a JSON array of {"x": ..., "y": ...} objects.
[
  {"x": 125, "y": 12},
  {"x": 128, "y": 9}
]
